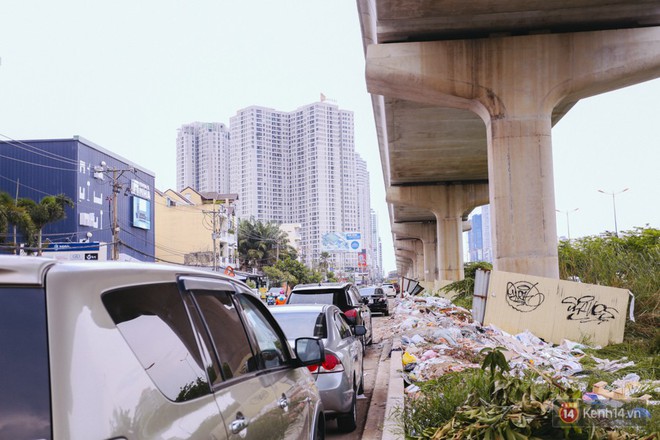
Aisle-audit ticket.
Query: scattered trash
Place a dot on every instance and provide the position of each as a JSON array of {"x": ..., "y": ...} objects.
[{"x": 438, "y": 337}]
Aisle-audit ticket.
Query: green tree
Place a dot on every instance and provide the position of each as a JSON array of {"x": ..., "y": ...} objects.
[
  {"x": 324, "y": 262},
  {"x": 262, "y": 244},
  {"x": 630, "y": 261},
  {"x": 11, "y": 214},
  {"x": 49, "y": 210}
]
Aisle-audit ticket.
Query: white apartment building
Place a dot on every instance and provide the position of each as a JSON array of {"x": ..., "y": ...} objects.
[
  {"x": 298, "y": 167},
  {"x": 376, "y": 246},
  {"x": 202, "y": 157},
  {"x": 364, "y": 209}
]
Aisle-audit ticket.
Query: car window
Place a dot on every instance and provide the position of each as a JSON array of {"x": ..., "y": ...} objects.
[
  {"x": 342, "y": 325},
  {"x": 273, "y": 350},
  {"x": 154, "y": 322},
  {"x": 225, "y": 326},
  {"x": 298, "y": 325},
  {"x": 25, "y": 399},
  {"x": 367, "y": 291},
  {"x": 354, "y": 296},
  {"x": 311, "y": 298}
]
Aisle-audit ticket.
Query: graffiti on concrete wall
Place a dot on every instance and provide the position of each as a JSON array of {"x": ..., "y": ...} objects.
[
  {"x": 523, "y": 296},
  {"x": 587, "y": 309}
]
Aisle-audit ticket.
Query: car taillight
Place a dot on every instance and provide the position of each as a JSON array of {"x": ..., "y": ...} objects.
[
  {"x": 332, "y": 364},
  {"x": 352, "y": 313}
]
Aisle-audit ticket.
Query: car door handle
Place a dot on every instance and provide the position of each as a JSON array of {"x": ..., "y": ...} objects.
[
  {"x": 239, "y": 424},
  {"x": 283, "y": 403}
]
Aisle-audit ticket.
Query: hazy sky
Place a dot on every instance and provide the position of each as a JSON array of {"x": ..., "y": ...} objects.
[{"x": 126, "y": 74}]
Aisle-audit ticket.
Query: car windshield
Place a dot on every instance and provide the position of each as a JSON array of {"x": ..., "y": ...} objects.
[
  {"x": 301, "y": 325},
  {"x": 315, "y": 297},
  {"x": 367, "y": 291}
]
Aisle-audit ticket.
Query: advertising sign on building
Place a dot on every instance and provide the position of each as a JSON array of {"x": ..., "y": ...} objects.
[
  {"x": 362, "y": 259},
  {"x": 141, "y": 213},
  {"x": 342, "y": 242},
  {"x": 140, "y": 189},
  {"x": 73, "y": 251}
]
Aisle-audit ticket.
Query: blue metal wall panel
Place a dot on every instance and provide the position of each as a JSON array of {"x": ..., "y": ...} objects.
[{"x": 51, "y": 167}]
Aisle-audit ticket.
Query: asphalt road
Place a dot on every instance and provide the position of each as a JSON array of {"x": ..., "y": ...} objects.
[{"x": 372, "y": 389}]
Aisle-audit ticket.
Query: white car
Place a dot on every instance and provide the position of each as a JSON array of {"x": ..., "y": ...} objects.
[
  {"x": 101, "y": 350},
  {"x": 389, "y": 290}
]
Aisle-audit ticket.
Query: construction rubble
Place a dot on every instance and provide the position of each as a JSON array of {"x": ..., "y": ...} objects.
[{"x": 437, "y": 337}]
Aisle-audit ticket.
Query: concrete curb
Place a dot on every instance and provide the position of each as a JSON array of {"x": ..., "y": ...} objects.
[
  {"x": 391, "y": 429},
  {"x": 373, "y": 427}
]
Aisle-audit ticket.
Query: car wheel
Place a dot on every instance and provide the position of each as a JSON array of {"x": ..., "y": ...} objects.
[
  {"x": 371, "y": 333},
  {"x": 348, "y": 422},
  {"x": 387, "y": 313},
  {"x": 319, "y": 430},
  {"x": 360, "y": 389}
]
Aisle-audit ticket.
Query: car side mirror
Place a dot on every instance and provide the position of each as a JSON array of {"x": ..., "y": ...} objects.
[
  {"x": 310, "y": 351},
  {"x": 365, "y": 300},
  {"x": 359, "y": 330}
]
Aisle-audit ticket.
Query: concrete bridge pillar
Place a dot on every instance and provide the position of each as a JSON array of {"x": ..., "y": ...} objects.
[
  {"x": 426, "y": 233},
  {"x": 450, "y": 204},
  {"x": 404, "y": 265},
  {"x": 515, "y": 84},
  {"x": 411, "y": 256},
  {"x": 416, "y": 251}
]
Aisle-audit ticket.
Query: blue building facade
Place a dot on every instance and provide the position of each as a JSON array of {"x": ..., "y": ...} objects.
[
  {"x": 475, "y": 239},
  {"x": 92, "y": 177}
]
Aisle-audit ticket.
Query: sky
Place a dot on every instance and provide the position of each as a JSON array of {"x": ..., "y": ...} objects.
[{"x": 126, "y": 74}]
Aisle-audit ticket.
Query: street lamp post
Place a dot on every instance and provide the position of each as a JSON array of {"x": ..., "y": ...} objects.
[
  {"x": 568, "y": 226},
  {"x": 616, "y": 229}
]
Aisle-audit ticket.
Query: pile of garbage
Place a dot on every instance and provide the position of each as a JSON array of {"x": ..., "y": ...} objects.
[{"x": 437, "y": 337}]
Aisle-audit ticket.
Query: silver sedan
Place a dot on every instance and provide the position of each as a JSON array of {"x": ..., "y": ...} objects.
[{"x": 340, "y": 378}]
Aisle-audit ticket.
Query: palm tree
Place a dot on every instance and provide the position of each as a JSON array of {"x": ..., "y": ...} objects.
[
  {"x": 262, "y": 244},
  {"x": 12, "y": 214},
  {"x": 324, "y": 262},
  {"x": 49, "y": 210}
]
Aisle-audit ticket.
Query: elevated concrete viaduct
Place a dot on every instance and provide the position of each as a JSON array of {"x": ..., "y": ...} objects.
[
  {"x": 425, "y": 232},
  {"x": 465, "y": 94},
  {"x": 413, "y": 249}
]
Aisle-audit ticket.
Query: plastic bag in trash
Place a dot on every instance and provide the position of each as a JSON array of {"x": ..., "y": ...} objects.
[{"x": 408, "y": 358}]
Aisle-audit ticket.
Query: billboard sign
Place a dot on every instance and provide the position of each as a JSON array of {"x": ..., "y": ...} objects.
[
  {"x": 342, "y": 242},
  {"x": 141, "y": 213}
]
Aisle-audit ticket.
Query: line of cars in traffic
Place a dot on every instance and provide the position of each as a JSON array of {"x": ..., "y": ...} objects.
[{"x": 141, "y": 350}]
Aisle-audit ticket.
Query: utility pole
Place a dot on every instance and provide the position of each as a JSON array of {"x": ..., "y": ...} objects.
[
  {"x": 17, "y": 249},
  {"x": 613, "y": 194},
  {"x": 116, "y": 189},
  {"x": 214, "y": 235},
  {"x": 216, "y": 226}
]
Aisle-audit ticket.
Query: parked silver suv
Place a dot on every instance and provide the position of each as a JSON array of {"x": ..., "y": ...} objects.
[{"x": 100, "y": 350}]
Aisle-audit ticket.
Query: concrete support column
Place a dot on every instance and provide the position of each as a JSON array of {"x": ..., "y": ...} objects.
[
  {"x": 415, "y": 250},
  {"x": 404, "y": 264},
  {"x": 449, "y": 204},
  {"x": 412, "y": 258},
  {"x": 516, "y": 85},
  {"x": 522, "y": 194},
  {"x": 426, "y": 233}
]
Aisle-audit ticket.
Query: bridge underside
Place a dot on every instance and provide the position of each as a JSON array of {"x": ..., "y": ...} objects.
[{"x": 443, "y": 139}]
